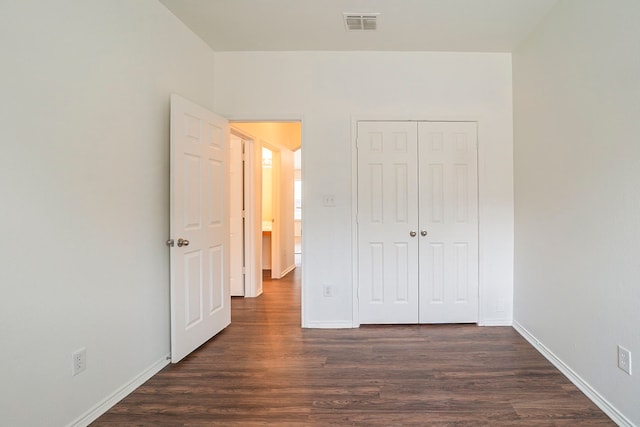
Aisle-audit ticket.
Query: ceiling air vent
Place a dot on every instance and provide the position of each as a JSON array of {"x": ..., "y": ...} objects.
[{"x": 361, "y": 21}]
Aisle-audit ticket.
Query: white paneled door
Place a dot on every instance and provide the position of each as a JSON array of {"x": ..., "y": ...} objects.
[
  {"x": 388, "y": 222},
  {"x": 417, "y": 222},
  {"x": 199, "y": 226},
  {"x": 448, "y": 207}
]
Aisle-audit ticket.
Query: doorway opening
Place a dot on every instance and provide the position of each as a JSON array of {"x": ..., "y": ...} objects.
[{"x": 271, "y": 211}]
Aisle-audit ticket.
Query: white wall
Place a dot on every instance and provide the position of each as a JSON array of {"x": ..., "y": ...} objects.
[
  {"x": 327, "y": 89},
  {"x": 84, "y": 185},
  {"x": 577, "y": 175}
]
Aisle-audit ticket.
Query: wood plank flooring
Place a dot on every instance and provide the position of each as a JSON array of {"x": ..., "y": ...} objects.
[{"x": 265, "y": 370}]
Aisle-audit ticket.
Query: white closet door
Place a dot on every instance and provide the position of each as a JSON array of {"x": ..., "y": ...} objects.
[
  {"x": 387, "y": 214},
  {"x": 448, "y": 206}
]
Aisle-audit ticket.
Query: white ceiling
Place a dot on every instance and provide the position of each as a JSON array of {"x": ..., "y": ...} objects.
[{"x": 404, "y": 25}]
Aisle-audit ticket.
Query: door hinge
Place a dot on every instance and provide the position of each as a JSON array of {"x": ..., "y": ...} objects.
[
  {"x": 170, "y": 243},
  {"x": 244, "y": 270},
  {"x": 244, "y": 214}
]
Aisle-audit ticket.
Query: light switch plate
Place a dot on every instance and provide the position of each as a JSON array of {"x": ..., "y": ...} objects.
[{"x": 329, "y": 200}]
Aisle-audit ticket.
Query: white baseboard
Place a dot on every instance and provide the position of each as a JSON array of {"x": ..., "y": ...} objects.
[
  {"x": 92, "y": 414},
  {"x": 584, "y": 387},
  {"x": 328, "y": 325},
  {"x": 495, "y": 322},
  {"x": 350, "y": 325},
  {"x": 288, "y": 270}
]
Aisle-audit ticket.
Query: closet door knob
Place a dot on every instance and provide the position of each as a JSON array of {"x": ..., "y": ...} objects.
[
  {"x": 423, "y": 233},
  {"x": 412, "y": 234},
  {"x": 183, "y": 242}
]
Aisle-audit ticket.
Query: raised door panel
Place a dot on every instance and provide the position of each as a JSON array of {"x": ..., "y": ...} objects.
[
  {"x": 193, "y": 289},
  {"x": 215, "y": 280}
]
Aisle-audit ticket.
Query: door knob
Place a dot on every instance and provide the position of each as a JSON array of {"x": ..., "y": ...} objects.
[
  {"x": 412, "y": 234},
  {"x": 183, "y": 242},
  {"x": 423, "y": 233}
]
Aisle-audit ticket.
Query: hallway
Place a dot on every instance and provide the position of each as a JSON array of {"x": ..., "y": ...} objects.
[{"x": 266, "y": 370}]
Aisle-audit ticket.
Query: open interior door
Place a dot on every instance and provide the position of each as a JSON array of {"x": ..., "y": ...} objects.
[{"x": 199, "y": 226}]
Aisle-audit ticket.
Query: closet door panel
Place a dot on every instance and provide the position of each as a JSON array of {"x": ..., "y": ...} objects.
[
  {"x": 448, "y": 218},
  {"x": 387, "y": 214}
]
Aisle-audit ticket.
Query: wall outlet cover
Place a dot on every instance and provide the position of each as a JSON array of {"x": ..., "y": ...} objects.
[
  {"x": 78, "y": 361},
  {"x": 327, "y": 291},
  {"x": 624, "y": 359}
]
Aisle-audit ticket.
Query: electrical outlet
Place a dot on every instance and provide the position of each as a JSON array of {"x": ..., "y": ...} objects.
[
  {"x": 78, "y": 361},
  {"x": 327, "y": 291},
  {"x": 624, "y": 359}
]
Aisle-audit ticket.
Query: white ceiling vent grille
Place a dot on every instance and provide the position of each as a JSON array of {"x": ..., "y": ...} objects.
[{"x": 361, "y": 21}]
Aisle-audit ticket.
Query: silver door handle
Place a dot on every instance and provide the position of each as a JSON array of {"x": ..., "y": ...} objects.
[
  {"x": 183, "y": 242},
  {"x": 423, "y": 233},
  {"x": 412, "y": 233}
]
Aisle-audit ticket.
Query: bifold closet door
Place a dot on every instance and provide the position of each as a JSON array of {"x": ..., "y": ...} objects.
[
  {"x": 387, "y": 222},
  {"x": 448, "y": 215},
  {"x": 417, "y": 222}
]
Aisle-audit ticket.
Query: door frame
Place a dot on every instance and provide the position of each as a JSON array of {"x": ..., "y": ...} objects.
[
  {"x": 290, "y": 117},
  {"x": 399, "y": 117},
  {"x": 252, "y": 280},
  {"x": 252, "y": 256}
]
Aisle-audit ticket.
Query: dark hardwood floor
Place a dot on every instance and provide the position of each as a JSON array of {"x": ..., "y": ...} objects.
[{"x": 265, "y": 370}]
